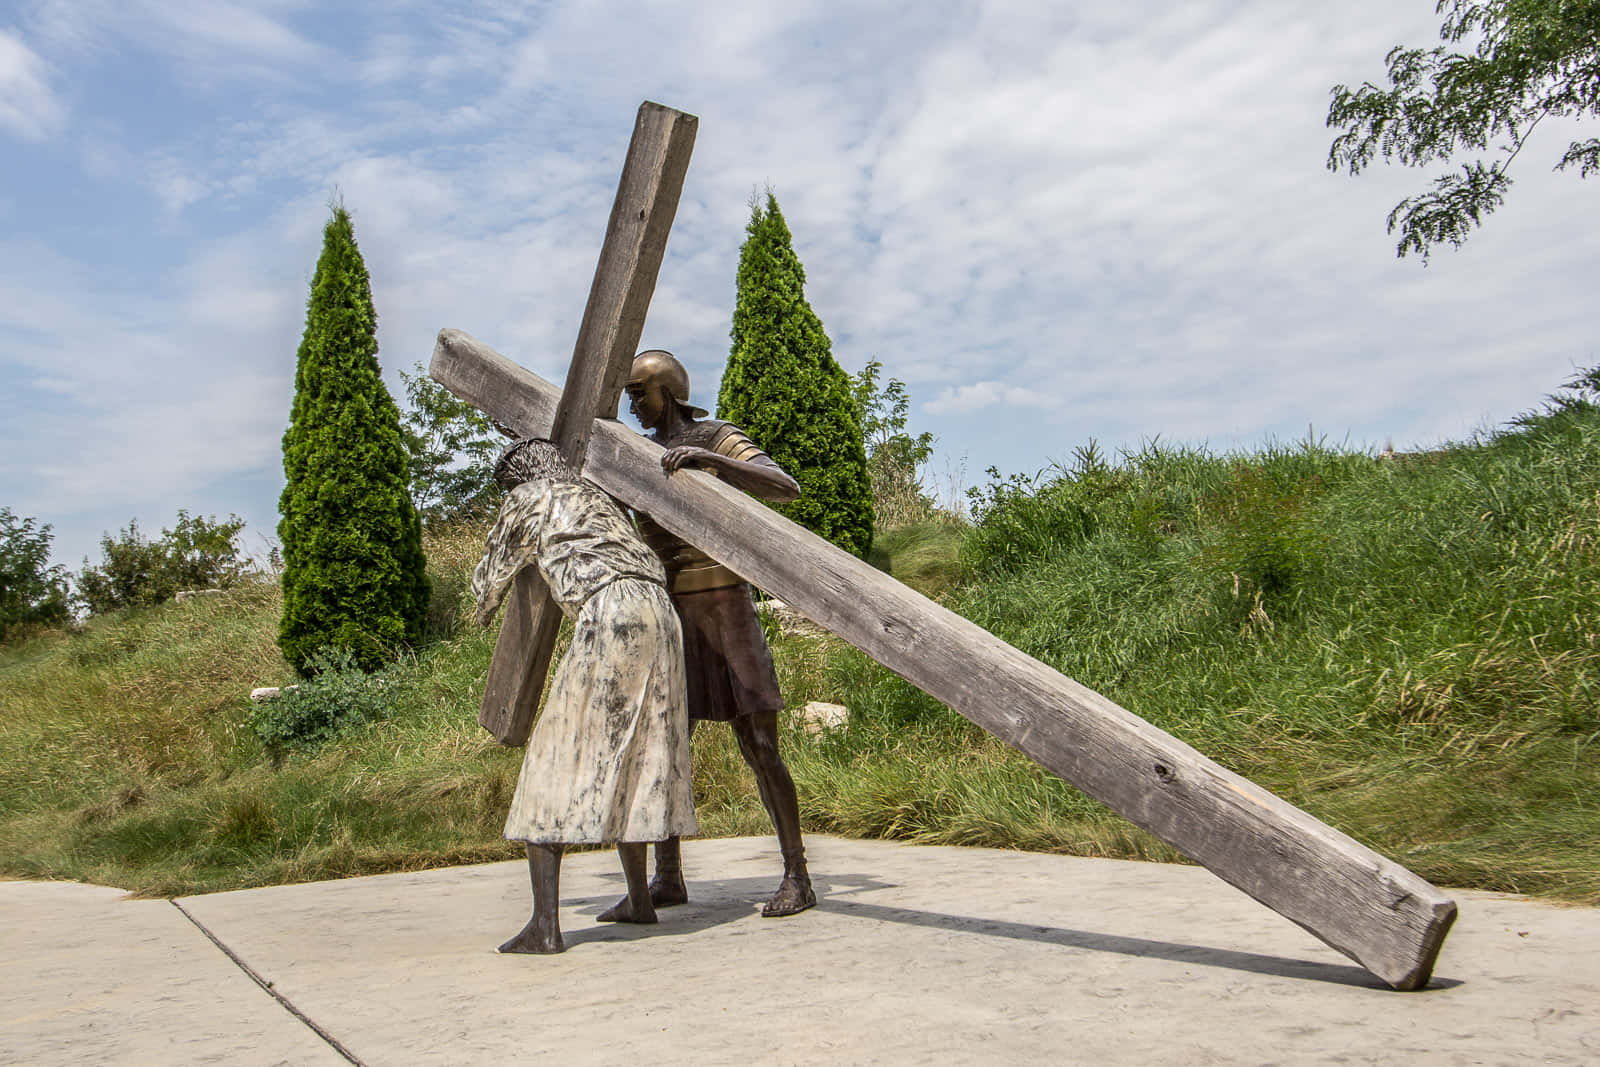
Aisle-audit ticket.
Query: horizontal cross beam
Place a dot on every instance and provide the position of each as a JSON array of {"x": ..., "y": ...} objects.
[{"x": 1373, "y": 910}]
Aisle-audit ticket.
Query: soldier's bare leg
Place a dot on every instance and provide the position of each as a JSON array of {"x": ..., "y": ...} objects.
[
  {"x": 636, "y": 906},
  {"x": 542, "y": 935},
  {"x": 758, "y": 743}
]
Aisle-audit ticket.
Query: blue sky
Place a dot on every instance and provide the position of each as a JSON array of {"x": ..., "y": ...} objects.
[{"x": 1054, "y": 222}]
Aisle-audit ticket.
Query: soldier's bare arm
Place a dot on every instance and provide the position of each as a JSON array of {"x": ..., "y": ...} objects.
[{"x": 760, "y": 476}]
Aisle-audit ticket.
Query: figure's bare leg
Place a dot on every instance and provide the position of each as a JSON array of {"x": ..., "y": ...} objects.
[
  {"x": 667, "y": 887},
  {"x": 636, "y": 906},
  {"x": 758, "y": 743},
  {"x": 542, "y": 935}
]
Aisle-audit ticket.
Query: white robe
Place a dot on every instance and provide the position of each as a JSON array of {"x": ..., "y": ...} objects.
[{"x": 608, "y": 759}]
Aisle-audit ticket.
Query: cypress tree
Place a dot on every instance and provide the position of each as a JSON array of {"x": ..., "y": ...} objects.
[
  {"x": 354, "y": 574},
  {"x": 783, "y": 387}
]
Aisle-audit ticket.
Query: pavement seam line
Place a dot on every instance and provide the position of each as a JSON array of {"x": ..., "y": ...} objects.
[{"x": 266, "y": 986}]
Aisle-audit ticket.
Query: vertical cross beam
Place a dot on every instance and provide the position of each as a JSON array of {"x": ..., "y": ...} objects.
[{"x": 619, "y": 297}]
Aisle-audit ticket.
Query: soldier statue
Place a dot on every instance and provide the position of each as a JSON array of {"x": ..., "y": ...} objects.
[{"x": 728, "y": 665}]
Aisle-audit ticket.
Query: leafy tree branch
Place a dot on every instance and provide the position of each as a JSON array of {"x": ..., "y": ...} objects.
[{"x": 1531, "y": 60}]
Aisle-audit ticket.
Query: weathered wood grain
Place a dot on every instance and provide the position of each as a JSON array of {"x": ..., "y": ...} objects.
[
  {"x": 1373, "y": 910},
  {"x": 624, "y": 279}
]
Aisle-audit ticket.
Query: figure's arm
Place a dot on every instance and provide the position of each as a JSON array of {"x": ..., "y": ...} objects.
[
  {"x": 758, "y": 476},
  {"x": 511, "y": 547}
]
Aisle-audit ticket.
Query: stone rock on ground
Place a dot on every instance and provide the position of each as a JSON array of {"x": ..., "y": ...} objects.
[
  {"x": 267, "y": 692},
  {"x": 818, "y": 717}
]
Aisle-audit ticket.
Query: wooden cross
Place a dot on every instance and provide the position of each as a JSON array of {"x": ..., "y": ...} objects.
[
  {"x": 619, "y": 296},
  {"x": 1373, "y": 910}
]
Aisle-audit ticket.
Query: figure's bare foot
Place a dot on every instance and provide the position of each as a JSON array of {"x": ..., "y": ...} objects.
[
  {"x": 536, "y": 940},
  {"x": 668, "y": 889},
  {"x": 623, "y": 911},
  {"x": 793, "y": 896}
]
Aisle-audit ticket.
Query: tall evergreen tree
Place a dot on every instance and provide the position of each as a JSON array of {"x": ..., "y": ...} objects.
[
  {"x": 354, "y": 574},
  {"x": 783, "y": 387}
]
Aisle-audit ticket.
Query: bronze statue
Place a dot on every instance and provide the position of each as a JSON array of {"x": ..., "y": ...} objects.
[
  {"x": 730, "y": 674},
  {"x": 608, "y": 761}
]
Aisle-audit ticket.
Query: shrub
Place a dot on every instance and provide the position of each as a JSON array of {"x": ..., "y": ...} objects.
[
  {"x": 339, "y": 697},
  {"x": 198, "y": 553},
  {"x": 894, "y": 457},
  {"x": 32, "y": 592},
  {"x": 1019, "y": 519}
]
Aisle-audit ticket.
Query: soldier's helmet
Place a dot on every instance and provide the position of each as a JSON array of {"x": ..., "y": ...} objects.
[{"x": 662, "y": 367}]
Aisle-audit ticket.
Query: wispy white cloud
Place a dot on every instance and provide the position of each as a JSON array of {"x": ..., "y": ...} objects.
[
  {"x": 216, "y": 29},
  {"x": 175, "y": 186},
  {"x": 961, "y": 399},
  {"x": 29, "y": 108},
  {"x": 213, "y": 38}
]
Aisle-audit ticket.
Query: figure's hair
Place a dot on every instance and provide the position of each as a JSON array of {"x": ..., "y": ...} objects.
[{"x": 532, "y": 458}]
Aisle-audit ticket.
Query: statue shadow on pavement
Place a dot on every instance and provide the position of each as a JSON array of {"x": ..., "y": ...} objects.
[
  {"x": 1199, "y": 955},
  {"x": 714, "y": 902}
]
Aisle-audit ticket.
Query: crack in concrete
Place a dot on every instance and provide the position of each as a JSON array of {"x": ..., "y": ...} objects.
[{"x": 288, "y": 1006}]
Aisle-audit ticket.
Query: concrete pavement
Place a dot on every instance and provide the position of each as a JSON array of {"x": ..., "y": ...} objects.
[{"x": 915, "y": 955}]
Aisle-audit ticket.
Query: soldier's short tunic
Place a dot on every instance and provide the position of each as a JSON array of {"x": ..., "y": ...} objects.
[
  {"x": 729, "y": 667},
  {"x": 608, "y": 760}
]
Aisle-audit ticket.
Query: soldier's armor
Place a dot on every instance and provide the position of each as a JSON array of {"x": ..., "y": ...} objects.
[{"x": 690, "y": 570}]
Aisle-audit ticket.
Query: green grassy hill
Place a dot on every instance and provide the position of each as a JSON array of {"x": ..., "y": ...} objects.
[{"x": 1408, "y": 648}]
